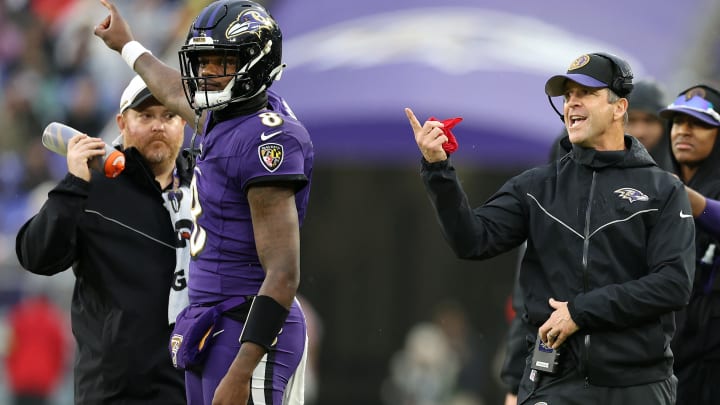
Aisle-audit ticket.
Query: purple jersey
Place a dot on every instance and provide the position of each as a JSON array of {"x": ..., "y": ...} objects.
[{"x": 261, "y": 148}]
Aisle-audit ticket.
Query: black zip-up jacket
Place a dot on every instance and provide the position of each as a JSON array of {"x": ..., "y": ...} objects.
[
  {"x": 609, "y": 232},
  {"x": 117, "y": 236}
]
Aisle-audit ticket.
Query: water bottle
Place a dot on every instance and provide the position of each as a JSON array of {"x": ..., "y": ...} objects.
[{"x": 56, "y": 137}]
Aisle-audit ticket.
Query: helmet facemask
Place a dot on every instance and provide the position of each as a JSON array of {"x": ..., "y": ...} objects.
[{"x": 243, "y": 44}]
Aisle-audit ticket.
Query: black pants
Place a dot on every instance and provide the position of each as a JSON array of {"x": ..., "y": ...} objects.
[
  {"x": 570, "y": 389},
  {"x": 697, "y": 350},
  {"x": 699, "y": 383}
]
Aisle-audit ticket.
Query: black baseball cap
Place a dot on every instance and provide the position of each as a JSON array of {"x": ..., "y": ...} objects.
[
  {"x": 700, "y": 101},
  {"x": 589, "y": 70},
  {"x": 647, "y": 96}
]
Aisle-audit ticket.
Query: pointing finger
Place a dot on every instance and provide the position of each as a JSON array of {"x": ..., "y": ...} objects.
[
  {"x": 108, "y": 5},
  {"x": 414, "y": 123}
]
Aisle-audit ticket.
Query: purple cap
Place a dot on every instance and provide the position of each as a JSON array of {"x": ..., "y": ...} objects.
[
  {"x": 589, "y": 70},
  {"x": 701, "y": 102}
]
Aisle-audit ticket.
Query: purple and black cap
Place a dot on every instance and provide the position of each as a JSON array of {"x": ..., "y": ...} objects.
[
  {"x": 593, "y": 70},
  {"x": 701, "y": 102}
]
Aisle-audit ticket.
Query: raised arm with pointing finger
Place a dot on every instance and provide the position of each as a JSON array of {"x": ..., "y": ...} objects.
[{"x": 162, "y": 80}]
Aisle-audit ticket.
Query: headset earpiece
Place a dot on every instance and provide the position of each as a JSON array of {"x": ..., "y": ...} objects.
[{"x": 622, "y": 84}]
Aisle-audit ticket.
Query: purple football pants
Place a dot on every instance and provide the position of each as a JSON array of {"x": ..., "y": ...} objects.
[{"x": 271, "y": 376}]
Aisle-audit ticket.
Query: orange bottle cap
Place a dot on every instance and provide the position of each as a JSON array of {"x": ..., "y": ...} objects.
[{"x": 114, "y": 164}]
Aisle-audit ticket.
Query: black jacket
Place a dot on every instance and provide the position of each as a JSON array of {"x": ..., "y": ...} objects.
[
  {"x": 119, "y": 240},
  {"x": 604, "y": 232}
]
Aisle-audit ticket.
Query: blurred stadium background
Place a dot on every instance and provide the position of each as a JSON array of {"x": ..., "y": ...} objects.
[{"x": 374, "y": 263}]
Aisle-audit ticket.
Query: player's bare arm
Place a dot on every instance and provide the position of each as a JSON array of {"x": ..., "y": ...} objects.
[
  {"x": 277, "y": 239},
  {"x": 163, "y": 81}
]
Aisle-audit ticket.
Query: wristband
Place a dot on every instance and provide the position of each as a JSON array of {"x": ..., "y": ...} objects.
[
  {"x": 264, "y": 321},
  {"x": 132, "y": 51}
]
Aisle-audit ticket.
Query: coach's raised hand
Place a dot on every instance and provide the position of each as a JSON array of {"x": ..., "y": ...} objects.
[
  {"x": 113, "y": 29},
  {"x": 429, "y": 137}
]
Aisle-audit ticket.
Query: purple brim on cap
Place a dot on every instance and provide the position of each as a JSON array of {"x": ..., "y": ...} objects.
[
  {"x": 555, "y": 86},
  {"x": 672, "y": 110}
]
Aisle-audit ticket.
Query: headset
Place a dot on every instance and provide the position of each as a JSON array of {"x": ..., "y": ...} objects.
[{"x": 622, "y": 83}]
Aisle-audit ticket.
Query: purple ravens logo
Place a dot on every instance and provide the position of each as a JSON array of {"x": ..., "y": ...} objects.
[
  {"x": 579, "y": 62},
  {"x": 271, "y": 155},
  {"x": 248, "y": 21},
  {"x": 631, "y": 194}
]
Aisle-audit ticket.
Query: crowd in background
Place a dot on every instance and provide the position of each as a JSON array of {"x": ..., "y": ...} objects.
[{"x": 53, "y": 69}]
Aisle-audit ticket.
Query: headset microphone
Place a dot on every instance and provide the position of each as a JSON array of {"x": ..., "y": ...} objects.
[{"x": 562, "y": 117}]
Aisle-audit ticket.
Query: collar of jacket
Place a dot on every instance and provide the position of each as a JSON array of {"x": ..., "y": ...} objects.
[
  {"x": 138, "y": 169},
  {"x": 634, "y": 155}
]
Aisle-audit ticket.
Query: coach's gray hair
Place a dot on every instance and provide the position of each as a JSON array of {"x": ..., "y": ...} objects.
[{"x": 613, "y": 98}]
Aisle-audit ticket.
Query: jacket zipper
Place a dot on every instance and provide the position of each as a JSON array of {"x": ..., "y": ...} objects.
[{"x": 586, "y": 246}]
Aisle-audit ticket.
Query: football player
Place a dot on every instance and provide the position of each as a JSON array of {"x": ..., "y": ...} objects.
[{"x": 250, "y": 191}]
